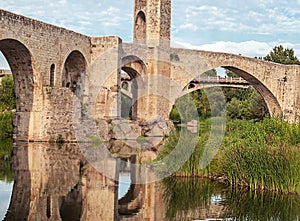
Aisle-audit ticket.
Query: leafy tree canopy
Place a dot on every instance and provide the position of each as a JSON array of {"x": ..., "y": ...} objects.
[
  {"x": 7, "y": 93},
  {"x": 282, "y": 55}
]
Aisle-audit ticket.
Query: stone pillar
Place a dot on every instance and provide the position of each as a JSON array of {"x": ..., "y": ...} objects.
[
  {"x": 104, "y": 78},
  {"x": 154, "y": 98}
]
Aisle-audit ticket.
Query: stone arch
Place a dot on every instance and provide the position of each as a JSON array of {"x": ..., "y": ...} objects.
[
  {"x": 21, "y": 63},
  {"x": 135, "y": 68},
  {"x": 140, "y": 27},
  {"x": 269, "y": 98},
  {"x": 74, "y": 71},
  {"x": 271, "y": 101}
]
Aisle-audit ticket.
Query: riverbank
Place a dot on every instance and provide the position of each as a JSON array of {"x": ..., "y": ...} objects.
[{"x": 254, "y": 155}]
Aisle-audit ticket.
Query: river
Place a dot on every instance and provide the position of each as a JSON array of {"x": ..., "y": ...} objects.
[{"x": 55, "y": 183}]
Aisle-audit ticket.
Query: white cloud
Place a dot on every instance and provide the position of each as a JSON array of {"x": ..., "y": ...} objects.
[
  {"x": 246, "y": 48},
  {"x": 198, "y": 21},
  {"x": 189, "y": 26},
  {"x": 249, "y": 16}
]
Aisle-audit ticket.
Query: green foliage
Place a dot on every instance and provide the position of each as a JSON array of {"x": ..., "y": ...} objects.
[
  {"x": 282, "y": 55},
  {"x": 184, "y": 110},
  {"x": 95, "y": 141},
  {"x": 7, "y": 94},
  {"x": 210, "y": 73},
  {"x": 258, "y": 155},
  {"x": 198, "y": 104},
  {"x": 230, "y": 74},
  {"x": 184, "y": 198},
  {"x": 60, "y": 141},
  {"x": 245, "y": 104},
  {"x": 262, "y": 155},
  {"x": 6, "y": 125},
  {"x": 260, "y": 205}
]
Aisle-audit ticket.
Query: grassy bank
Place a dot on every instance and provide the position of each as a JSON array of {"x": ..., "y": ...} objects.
[
  {"x": 257, "y": 155},
  {"x": 184, "y": 199}
]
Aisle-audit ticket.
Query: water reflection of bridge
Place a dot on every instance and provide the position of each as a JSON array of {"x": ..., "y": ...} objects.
[{"x": 56, "y": 183}]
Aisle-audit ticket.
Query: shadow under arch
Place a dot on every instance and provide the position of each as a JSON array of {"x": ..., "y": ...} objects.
[
  {"x": 135, "y": 68},
  {"x": 74, "y": 72},
  {"x": 21, "y": 62}
]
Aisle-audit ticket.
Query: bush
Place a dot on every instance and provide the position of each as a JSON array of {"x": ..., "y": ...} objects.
[
  {"x": 258, "y": 155},
  {"x": 6, "y": 125}
]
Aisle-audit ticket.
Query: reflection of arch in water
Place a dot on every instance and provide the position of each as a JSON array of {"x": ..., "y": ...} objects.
[
  {"x": 132, "y": 202},
  {"x": 71, "y": 205}
]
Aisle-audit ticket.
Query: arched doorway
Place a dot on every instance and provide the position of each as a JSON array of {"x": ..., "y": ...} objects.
[
  {"x": 140, "y": 27},
  {"x": 132, "y": 71},
  {"x": 74, "y": 72}
]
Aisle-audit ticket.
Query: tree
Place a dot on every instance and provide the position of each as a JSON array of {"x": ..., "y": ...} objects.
[
  {"x": 210, "y": 73},
  {"x": 230, "y": 74},
  {"x": 7, "y": 93},
  {"x": 247, "y": 104},
  {"x": 282, "y": 55}
]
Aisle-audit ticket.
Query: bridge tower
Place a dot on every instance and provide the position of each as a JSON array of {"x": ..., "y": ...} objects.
[
  {"x": 152, "y": 22},
  {"x": 152, "y": 31}
]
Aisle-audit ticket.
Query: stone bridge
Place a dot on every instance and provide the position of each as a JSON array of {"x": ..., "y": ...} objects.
[
  {"x": 54, "y": 68},
  {"x": 198, "y": 83}
]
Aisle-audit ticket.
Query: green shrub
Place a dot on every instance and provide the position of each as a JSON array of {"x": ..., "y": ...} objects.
[
  {"x": 6, "y": 125},
  {"x": 258, "y": 155}
]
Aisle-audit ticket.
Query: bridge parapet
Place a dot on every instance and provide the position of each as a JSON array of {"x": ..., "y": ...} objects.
[
  {"x": 4, "y": 72},
  {"x": 220, "y": 80}
]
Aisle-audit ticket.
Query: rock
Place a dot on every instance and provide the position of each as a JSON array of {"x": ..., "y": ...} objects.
[
  {"x": 158, "y": 128},
  {"x": 147, "y": 156},
  {"x": 104, "y": 129},
  {"x": 123, "y": 129}
]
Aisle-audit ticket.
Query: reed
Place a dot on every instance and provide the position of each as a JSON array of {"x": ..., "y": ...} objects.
[{"x": 257, "y": 155}]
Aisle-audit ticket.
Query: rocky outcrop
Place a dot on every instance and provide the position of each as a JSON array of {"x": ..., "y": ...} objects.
[{"x": 128, "y": 137}]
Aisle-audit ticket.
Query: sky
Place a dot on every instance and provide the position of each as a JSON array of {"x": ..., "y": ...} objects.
[
  {"x": 249, "y": 27},
  {"x": 5, "y": 195}
]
